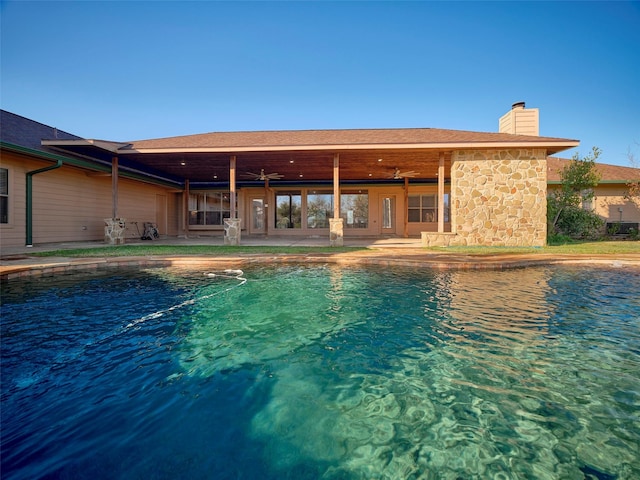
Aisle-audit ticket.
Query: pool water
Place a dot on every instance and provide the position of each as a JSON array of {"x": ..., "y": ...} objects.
[{"x": 322, "y": 372}]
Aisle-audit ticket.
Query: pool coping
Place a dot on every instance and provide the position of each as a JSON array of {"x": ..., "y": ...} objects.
[{"x": 21, "y": 267}]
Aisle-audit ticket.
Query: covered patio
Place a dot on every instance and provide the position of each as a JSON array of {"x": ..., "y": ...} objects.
[{"x": 255, "y": 170}]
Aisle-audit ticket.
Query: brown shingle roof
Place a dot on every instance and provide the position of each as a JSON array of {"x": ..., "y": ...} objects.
[
  {"x": 609, "y": 173},
  {"x": 318, "y": 138}
]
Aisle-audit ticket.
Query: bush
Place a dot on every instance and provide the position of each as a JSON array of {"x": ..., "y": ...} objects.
[
  {"x": 559, "y": 239},
  {"x": 578, "y": 223}
]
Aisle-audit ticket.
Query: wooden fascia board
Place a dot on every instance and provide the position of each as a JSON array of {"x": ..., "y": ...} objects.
[{"x": 338, "y": 147}]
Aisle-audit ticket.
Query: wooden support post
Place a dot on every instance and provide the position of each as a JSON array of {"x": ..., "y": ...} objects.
[
  {"x": 441, "y": 193},
  {"x": 232, "y": 185},
  {"x": 406, "y": 207},
  {"x": 114, "y": 187},
  {"x": 336, "y": 186},
  {"x": 185, "y": 209},
  {"x": 266, "y": 207}
]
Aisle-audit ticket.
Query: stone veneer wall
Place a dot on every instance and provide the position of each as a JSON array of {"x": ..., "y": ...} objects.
[{"x": 499, "y": 197}]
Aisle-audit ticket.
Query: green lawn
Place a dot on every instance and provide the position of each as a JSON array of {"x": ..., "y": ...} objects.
[
  {"x": 145, "y": 250},
  {"x": 600, "y": 247},
  {"x": 587, "y": 248}
]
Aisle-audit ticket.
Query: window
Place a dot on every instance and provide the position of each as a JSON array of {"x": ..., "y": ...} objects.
[
  {"x": 319, "y": 208},
  {"x": 424, "y": 208},
  {"x": 354, "y": 208},
  {"x": 4, "y": 195},
  {"x": 289, "y": 210},
  {"x": 209, "y": 208},
  {"x": 587, "y": 200}
]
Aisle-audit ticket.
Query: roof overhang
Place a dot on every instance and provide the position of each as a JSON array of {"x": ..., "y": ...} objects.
[
  {"x": 107, "y": 146},
  {"x": 551, "y": 147},
  {"x": 302, "y": 163}
]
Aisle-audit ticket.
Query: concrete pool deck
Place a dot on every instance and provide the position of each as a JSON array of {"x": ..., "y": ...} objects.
[{"x": 20, "y": 261}]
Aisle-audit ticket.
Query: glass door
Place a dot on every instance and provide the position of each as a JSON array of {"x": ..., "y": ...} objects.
[{"x": 257, "y": 221}]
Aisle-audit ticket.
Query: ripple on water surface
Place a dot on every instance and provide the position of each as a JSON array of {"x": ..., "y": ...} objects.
[{"x": 323, "y": 372}]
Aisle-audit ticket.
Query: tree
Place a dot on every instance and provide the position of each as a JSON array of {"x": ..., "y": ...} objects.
[
  {"x": 565, "y": 214},
  {"x": 633, "y": 185}
]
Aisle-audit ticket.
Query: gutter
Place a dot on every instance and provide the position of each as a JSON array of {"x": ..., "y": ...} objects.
[{"x": 29, "y": 226}]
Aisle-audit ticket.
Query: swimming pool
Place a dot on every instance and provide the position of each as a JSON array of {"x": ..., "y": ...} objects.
[{"x": 322, "y": 372}]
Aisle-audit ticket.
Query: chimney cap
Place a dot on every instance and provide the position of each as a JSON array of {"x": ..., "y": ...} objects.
[{"x": 517, "y": 105}]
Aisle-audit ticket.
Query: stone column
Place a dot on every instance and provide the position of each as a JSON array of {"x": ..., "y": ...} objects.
[
  {"x": 114, "y": 231},
  {"x": 232, "y": 231},
  {"x": 336, "y": 232}
]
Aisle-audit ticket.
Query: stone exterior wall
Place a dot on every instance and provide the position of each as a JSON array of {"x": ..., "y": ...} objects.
[{"x": 499, "y": 197}]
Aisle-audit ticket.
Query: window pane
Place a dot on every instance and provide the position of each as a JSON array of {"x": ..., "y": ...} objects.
[
  {"x": 288, "y": 210},
  {"x": 4, "y": 181},
  {"x": 213, "y": 202},
  {"x": 213, "y": 218},
  {"x": 446, "y": 208},
  {"x": 429, "y": 201},
  {"x": 319, "y": 209},
  {"x": 354, "y": 209},
  {"x": 209, "y": 208},
  {"x": 388, "y": 212},
  {"x": 4, "y": 210},
  {"x": 414, "y": 201},
  {"x": 428, "y": 215},
  {"x": 414, "y": 215},
  {"x": 257, "y": 214},
  {"x": 4, "y": 192}
]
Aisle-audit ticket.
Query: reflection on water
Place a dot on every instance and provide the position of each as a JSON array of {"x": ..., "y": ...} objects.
[{"x": 332, "y": 372}]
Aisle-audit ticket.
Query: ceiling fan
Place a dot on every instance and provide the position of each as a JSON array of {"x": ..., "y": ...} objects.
[
  {"x": 264, "y": 176},
  {"x": 397, "y": 174}
]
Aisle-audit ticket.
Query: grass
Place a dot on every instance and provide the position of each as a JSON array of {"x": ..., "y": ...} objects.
[
  {"x": 146, "y": 250},
  {"x": 586, "y": 248}
]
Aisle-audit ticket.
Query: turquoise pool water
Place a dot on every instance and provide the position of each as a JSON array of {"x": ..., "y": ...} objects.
[{"x": 322, "y": 372}]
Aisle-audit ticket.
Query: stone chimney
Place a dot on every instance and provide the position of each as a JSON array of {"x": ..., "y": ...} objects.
[{"x": 520, "y": 120}]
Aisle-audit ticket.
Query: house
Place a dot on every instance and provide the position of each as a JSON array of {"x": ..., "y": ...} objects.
[
  {"x": 610, "y": 203},
  {"x": 449, "y": 187}
]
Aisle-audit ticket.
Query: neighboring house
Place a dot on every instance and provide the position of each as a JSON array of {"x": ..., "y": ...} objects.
[
  {"x": 609, "y": 202},
  {"x": 450, "y": 187}
]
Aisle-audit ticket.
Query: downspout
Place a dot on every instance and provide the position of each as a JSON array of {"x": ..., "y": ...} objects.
[{"x": 29, "y": 226}]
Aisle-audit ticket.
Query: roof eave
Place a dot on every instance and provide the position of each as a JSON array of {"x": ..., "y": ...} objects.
[{"x": 551, "y": 147}]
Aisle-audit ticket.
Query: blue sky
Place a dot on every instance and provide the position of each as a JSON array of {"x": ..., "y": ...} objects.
[{"x": 136, "y": 70}]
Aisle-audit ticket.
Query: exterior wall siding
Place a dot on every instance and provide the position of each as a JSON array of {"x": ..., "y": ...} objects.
[
  {"x": 609, "y": 199},
  {"x": 499, "y": 197},
  {"x": 70, "y": 205}
]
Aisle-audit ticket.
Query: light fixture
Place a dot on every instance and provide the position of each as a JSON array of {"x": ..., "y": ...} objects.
[
  {"x": 379, "y": 159},
  {"x": 183, "y": 163},
  {"x": 215, "y": 176}
]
